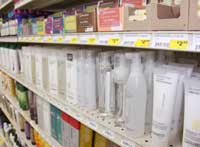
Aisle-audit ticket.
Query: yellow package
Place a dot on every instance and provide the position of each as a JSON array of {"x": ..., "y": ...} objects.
[
  {"x": 86, "y": 136},
  {"x": 100, "y": 141}
]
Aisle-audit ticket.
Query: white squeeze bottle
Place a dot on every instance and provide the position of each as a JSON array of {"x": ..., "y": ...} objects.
[{"x": 136, "y": 97}]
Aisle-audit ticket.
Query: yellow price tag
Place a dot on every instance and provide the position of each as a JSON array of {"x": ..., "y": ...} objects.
[
  {"x": 49, "y": 39},
  {"x": 91, "y": 41},
  {"x": 73, "y": 40},
  {"x": 113, "y": 41},
  {"x": 1, "y": 141},
  {"x": 142, "y": 43},
  {"x": 32, "y": 39},
  {"x": 59, "y": 40},
  {"x": 196, "y": 125},
  {"x": 178, "y": 44},
  {"x": 40, "y": 39}
]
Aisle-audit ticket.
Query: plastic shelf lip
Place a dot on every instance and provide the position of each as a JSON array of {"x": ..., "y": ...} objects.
[
  {"x": 126, "y": 143},
  {"x": 22, "y": 3}
]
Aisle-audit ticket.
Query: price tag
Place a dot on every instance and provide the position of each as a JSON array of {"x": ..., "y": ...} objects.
[
  {"x": 142, "y": 43},
  {"x": 136, "y": 39},
  {"x": 20, "y": 38},
  {"x": 178, "y": 44},
  {"x": 113, "y": 41},
  {"x": 92, "y": 124},
  {"x": 91, "y": 40},
  {"x": 32, "y": 39},
  {"x": 73, "y": 40},
  {"x": 49, "y": 39},
  {"x": 126, "y": 143},
  {"x": 59, "y": 40},
  {"x": 170, "y": 41},
  {"x": 108, "y": 134},
  {"x": 39, "y": 39}
]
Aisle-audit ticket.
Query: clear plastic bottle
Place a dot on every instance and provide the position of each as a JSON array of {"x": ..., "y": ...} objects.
[
  {"x": 120, "y": 73},
  {"x": 105, "y": 84},
  {"x": 136, "y": 96},
  {"x": 90, "y": 80}
]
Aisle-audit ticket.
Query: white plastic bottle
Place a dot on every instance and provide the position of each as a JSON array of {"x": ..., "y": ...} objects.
[
  {"x": 90, "y": 80},
  {"x": 136, "y": 97}
]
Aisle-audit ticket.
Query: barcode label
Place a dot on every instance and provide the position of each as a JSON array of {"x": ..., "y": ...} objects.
[
  {"x": 196, "y": 42},
  {"x": 108, "y": 134}
]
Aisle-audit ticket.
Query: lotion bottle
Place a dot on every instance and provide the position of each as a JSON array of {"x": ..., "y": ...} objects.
[{"x": 136, "y": 97}]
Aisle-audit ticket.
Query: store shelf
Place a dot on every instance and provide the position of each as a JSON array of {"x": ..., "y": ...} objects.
[
  {"x": 4, "y": 5},
  {"x": 91, "y": 119},
  {"x": 26, "y": 116},
  {"x": 21, "y": 134},
  {"x": 175, "y": 41},
  {"x": 12, "y": 39}
]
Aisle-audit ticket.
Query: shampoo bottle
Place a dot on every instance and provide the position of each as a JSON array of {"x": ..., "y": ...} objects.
[{"x": 136, "y": 97}]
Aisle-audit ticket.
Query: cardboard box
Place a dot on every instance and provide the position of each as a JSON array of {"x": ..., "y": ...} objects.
[
  {"x": 166, "y": 17},
  {"x": 87, "y": 22},
  {"x": 70, "y": 23},
  {"x": 58, "y": 23},
  {"x": 49, "y": 25},
  {"x": 194, "y": 15}
]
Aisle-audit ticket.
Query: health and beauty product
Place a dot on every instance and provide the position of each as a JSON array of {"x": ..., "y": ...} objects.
[
  {"x": 191, "y": 137},
  {"x": 105, "y": 84},
  {"x": 22, "y": 96},
  {"x": 165, "y": 86},
  {"x": 121, "y": 74},
  {"x": 86, "y": 136},
  {"x": 135, "y": 100},
  {"x": 99, "y": 141}
]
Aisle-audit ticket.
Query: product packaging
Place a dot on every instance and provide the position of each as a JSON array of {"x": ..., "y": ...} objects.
[
  {"x": 192, "y": 118},
  {"x": 58, "y": 23},
  {"x": 86, "y": 136},
  {"x": 99, "y": 141}
]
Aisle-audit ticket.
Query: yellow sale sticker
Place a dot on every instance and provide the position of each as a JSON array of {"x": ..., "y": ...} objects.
[
  {"x": 73, "y": 40},
  {"x": 142, "y": 43},
  {"x": 40, "y": 39},
  {"x": 178, "y": 44},
  {"x": 91, "y": 41},
  {"x": 59, "y": 40},
  {"x": 49, "y": 39},
  {"x": 113, "y": 41}
]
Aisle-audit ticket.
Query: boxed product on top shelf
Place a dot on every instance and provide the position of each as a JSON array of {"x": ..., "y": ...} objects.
[{"x": 194, "y": 15}]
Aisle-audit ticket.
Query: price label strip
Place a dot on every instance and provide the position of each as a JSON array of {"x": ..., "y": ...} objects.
[
  {"x": 91, "y": 40},
  {"x": 73, "y": 40},
  {"x": 108, "y": 134},
  {"x": 49, "y": 39},
  {"x": 109, "y": 39},
  {"x": 39, "y": 39}
]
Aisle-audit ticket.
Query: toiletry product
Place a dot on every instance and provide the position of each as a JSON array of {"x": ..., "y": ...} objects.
[
  {"x": 86, "y": 136},
  {"x": 165, "y": 86},
  {"x": 120, "y": 73},
  {"x": 192, "y": 118},
  {"x": 75, "y": 132},
  {"x": 135, "y": 100},
  {"x": 99, "y": 141},
  {"x": 66, "y": 129}
]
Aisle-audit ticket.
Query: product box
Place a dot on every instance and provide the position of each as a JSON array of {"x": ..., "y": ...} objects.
[
  {"x": 129, "y": 15},
  {"x": 194, "y": 15},
  {"x": 40, "y": 26},
  {"x": 111, "y": 144},
  {"x": 53, "y": 121},
  {"x": 49, "y": 25},
  {"x": 66, "y": 128},
  {"x": 70, "y": 18},
  {"x": 58, "y": 23},
  {"x": 170, "y": 17},
  {"x": 86, "y": 136},
  {"x": 87, "y": 20},
  {"x": 58, "y": 126},
  {"x": 34, "y": 26},
  {"x": 100, "y": 141},
  {"x": 75, "y": 132}
]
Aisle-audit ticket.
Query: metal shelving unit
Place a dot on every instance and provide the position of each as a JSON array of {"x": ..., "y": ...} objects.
[{"x": 91, "y": 119}]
